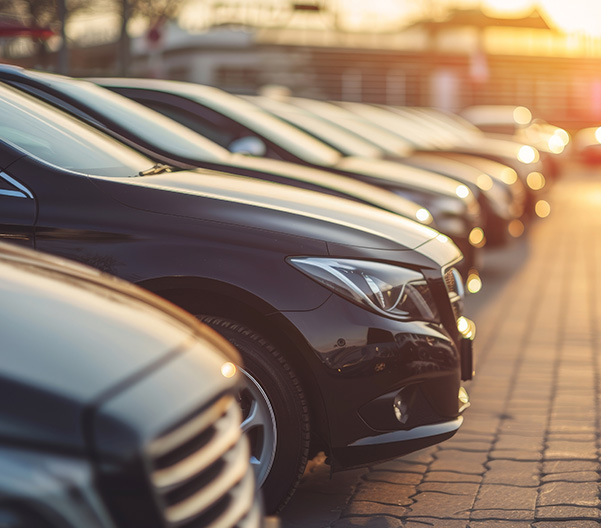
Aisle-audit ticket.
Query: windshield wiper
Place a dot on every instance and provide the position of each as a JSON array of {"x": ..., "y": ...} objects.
[{"x": 156, "y": 169}]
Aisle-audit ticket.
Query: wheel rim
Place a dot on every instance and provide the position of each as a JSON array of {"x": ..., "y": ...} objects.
[{"x": 258, "y": 422}]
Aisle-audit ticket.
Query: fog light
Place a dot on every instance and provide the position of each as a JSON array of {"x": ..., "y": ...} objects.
[
  {"x": 466, "y": 327},
  {"x": 400, "y": 409}
]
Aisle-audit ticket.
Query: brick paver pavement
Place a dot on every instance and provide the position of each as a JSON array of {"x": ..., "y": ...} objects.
[{"x": 528, "y": 452}]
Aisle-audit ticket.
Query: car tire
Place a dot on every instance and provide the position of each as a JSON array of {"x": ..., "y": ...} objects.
[{"x": 275, "y": 412}]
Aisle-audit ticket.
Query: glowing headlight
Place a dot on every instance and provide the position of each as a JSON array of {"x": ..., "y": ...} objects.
[
  {"x": 462, "y": 191},
  {"x": 556, "y": 144},
  {"x": 527, "y": 154},
  {"x": 509, "y": 176},
  {"x": 521, "y": 115},
  {"x": 484, "y": 182},
  {"x": 563, "y": 135},
  {"x": 424, "y": 216},
  {"x": 390, "y": 290}
]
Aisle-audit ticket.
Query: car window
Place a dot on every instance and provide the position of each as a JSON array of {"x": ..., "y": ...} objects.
[
  {"x": 287, "y": 137},
  {"x": 63, "y": 141},
  {"x": 138, "y": 120},
  {"x": 220, "y": 135}
]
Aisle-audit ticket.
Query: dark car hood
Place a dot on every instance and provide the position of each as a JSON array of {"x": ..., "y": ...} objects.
[
  {"x": 275, "y": 208},
  {"x": 353, "y": 188},
  {"x": 395, "y": 172},
  {"x": 70, "y": 337}
]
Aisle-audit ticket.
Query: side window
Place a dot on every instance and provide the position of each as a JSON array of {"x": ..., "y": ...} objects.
[
  {"x": 217, "y": 132},
  {"x": 12, "y": 188}
]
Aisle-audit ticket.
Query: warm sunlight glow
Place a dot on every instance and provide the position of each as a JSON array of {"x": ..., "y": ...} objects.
[
  {"x": 573, "y": 16},
  {"x": 598, "y": 134}
]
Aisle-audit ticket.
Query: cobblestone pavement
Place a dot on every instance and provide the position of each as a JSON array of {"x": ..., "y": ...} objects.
[{"x": 528, "y": 452}]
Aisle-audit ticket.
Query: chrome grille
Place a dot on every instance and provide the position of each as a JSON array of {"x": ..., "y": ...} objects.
[
  {"x": 201, "y": 472},
  {"x": 454, "y": 285}
]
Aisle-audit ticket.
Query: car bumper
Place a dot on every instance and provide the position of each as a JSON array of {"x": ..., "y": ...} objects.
[{"x": 387, "y": 387}]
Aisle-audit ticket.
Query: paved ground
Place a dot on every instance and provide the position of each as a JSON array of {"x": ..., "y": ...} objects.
[{"x": 528, "y": 452}]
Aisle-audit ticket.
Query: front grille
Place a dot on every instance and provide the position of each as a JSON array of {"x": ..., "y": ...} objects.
[
  {"x": 454, "y": 285},
  {"x": 201, "y": 473}
]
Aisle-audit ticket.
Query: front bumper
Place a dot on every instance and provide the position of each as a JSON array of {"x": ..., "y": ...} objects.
[{"x": 387, "y": 387}]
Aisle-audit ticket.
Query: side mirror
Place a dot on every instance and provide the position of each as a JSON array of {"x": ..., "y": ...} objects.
[{"x": 250, "y": 145}]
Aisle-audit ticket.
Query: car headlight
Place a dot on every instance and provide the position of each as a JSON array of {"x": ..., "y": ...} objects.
[{"x": 386, "y": 289}]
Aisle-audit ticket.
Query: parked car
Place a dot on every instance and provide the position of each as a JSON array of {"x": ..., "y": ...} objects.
[
  {"x": 170, "y": 143},
  {"x": 526, "y": 160},
  {"x": 242, "y": 127},
  {"x": 320, "y": 295},
  {"x": 498, "y": 205},
  {"x": 117, "y": 408}
]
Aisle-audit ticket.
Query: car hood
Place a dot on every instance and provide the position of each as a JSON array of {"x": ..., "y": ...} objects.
[
  {"x": 251, "y": 203},
  {"x": 70, "y": 337},
  {"x": 370, "y": 194},
  {"x": 391, "y": 172}
]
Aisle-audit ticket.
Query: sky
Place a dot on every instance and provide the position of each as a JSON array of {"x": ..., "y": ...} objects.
[{"x": 571, "y": 16}]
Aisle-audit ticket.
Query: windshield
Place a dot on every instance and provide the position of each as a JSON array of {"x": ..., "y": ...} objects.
[
  {"x": 63, "y": 141},
  {"x": 151, "y": 127},
  {"x": 342, "y": 140},
  {"x": 275, "y": 130},
  {"x": 387, "y": 141}
]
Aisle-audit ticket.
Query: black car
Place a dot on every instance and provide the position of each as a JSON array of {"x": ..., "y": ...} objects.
[
  {"x": 170, "y": 143},
  {"x": 497, "y": 202},
  {"x": 320, "y": 295},
  {"x": 117, "y": 408},
  {"x": 242, "y": 127}
]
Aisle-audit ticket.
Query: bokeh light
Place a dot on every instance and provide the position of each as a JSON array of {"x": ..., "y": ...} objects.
[
  {"x": 477, "y": 238},
  {"x": 474, "y": 283},
  {"x": 535, "y": 181},
  {"x": 509, "y": 176},
  {"x": 542, "y": 208},
  {"x": 527, "y": 154},
  {"x": 516, "y": 228}
]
